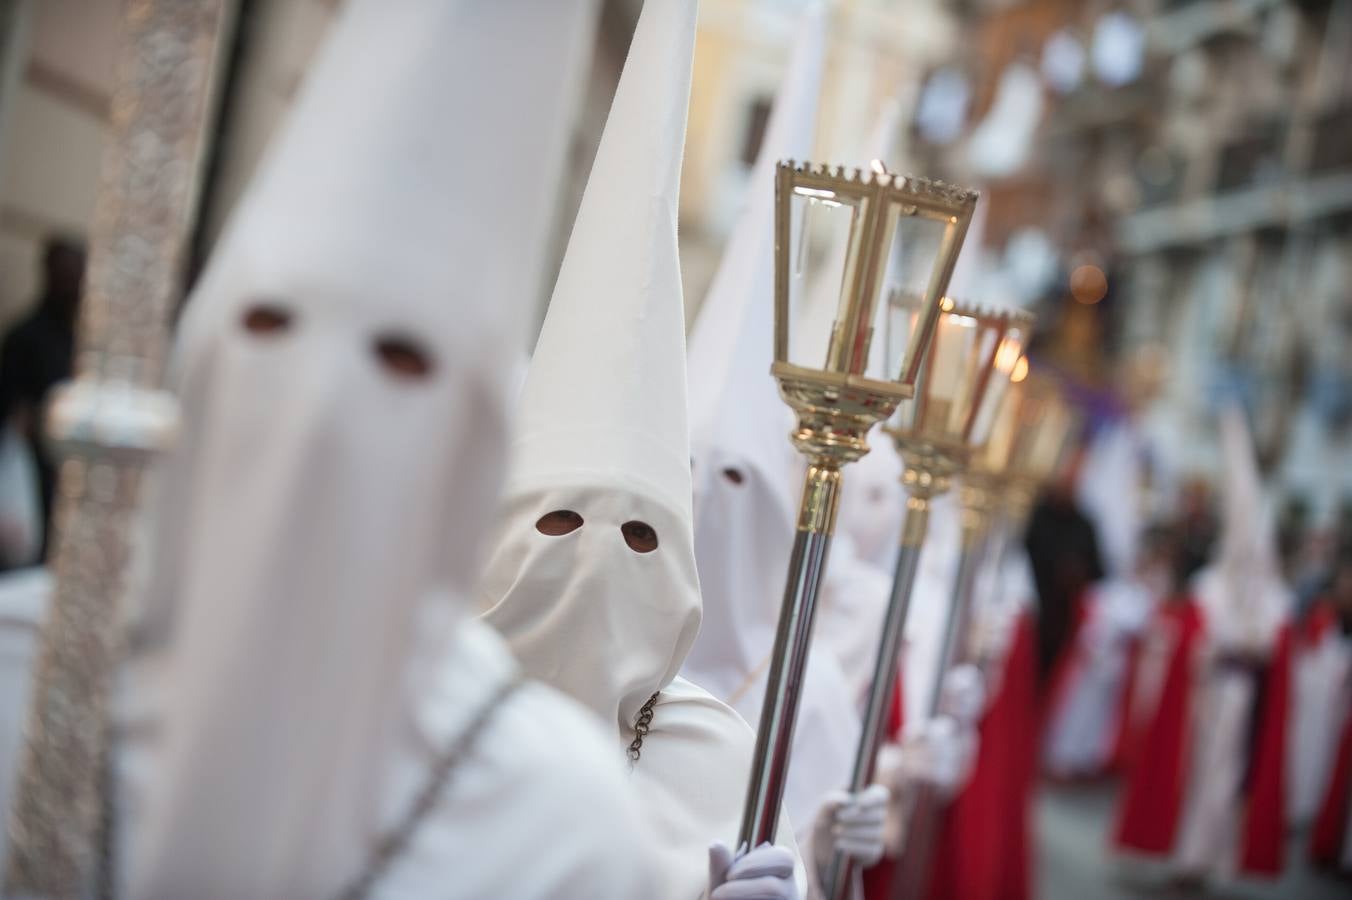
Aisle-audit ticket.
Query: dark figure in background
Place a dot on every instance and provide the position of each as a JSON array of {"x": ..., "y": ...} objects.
[
  {"x": 1064, "y": 552},
  {"x": 1198, "y": 529},
  {"x": 38, "y": 352}
]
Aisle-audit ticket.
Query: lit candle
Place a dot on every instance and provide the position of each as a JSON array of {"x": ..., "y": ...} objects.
[
  {"x": 995, "y": 456},
  {"x": 952, "y": 344}
]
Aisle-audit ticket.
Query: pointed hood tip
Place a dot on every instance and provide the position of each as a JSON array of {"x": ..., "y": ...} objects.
[
  {"x": 1246, "y": 526},
  {"x": 604, "y": 403}
]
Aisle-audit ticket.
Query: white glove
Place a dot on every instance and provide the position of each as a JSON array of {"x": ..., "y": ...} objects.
[
  {"x": 964, "y": 695},
  {"x": 851, "y": 824},
  {"x": 889, "y": 771},
  {"x": 993, "y": 630},
  {"x": 939, "y": 753},
  {"x": 765, "y": 873}
]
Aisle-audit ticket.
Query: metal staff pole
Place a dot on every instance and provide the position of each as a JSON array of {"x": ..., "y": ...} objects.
[
  {"x": 926, "y": 811},
  {"x": 807, "y": 566},
  {"x": 836, "y": 400},
  {"x": 954, "y": 648},
  {"x": 879, "y": 701},
  {"x": 106, "y": 424},
  {"x": 894, "y": 627}
]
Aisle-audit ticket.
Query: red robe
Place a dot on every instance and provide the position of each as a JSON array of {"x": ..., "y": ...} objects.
[
  {"x": 1153, "y": 797},
  {"x": 1263, "y": 844},
  {"x": 982, "y": 852},
  {"x": 878, "y": 878},
  {"x": 1330, "y": 827},
  {"x": 1152, "y": 803},
  {"x": 1127, "y": 733}
]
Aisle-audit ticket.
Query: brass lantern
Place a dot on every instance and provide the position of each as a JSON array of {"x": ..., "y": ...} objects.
[{"x": 892, "y": 232}]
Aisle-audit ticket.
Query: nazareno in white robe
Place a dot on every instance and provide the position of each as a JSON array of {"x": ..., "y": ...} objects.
[
  {"x": 610, "y": 627},
  {"x": 315, "y": 532},
  {"x": 603, "y": 436}
]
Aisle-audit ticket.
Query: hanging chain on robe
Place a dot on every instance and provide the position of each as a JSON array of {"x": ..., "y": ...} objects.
[
  {"x": 641, "y": 726},
  {"x": 105, "y": 425},
  {"x": 396, "y": 841}
]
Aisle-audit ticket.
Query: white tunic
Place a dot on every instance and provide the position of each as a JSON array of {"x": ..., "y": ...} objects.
[{"x": 1320, "y": 671}]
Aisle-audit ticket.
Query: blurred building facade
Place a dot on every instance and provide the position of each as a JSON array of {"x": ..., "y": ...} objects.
[{"x": 1183, "y": 203}]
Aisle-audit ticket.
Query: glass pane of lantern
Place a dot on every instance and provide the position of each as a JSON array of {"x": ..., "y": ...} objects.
[
  {"x": 947, "y": 376},
  {"x": 899, "y": 317},
  {"x": 950, "y": 374},
  {"x": 1008, "y": 352},
  {"x": 825, "y": 229},
  {"x": 993, "y": 456},
  {"x": 913, "y": 240}
]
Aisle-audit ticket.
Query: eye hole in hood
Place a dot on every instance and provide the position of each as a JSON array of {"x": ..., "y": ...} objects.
[
  {"x": 402, "y": 357},
  {"x": 640, "y": 536},
  {"x": 559, "y": 522},
  {"x": 266, "y": 319}
]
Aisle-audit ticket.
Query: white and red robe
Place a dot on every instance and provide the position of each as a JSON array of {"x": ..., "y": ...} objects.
[
  {"x": 1207, "y": 788},
  {"x": 1322, "y": 667},
  {"x": 1331, "y": 837},
  {"x": 1091, "y": 689},
  {"x": 984, "y": 847}
]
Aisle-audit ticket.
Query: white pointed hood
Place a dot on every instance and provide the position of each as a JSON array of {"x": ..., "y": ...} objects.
[
  {"x": 745, "y": 468},
  {"x": 343, "y": 368},
  {"x": 617, "y": 306},
  {"x": 1241, "y": 590},
  {"x": 574, "y": 582},
  {"x": 602, "y": 419}
]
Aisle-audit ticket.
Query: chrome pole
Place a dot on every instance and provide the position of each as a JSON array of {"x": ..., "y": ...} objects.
[
  {"x": 959, "y": 611},
  {"x": 884, "y": 672},
  {"x": 925, "y": 815},
  {"x": 779, "y": 712}
]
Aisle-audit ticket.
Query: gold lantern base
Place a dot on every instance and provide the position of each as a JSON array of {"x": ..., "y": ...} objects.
[{"x": 834, "y": 416}]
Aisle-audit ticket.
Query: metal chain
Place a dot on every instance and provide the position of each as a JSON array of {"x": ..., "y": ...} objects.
[
  {"x": 642, "y": 724},
  {"x": 396, "y": 841}
]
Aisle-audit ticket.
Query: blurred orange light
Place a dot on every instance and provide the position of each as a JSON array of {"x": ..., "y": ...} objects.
[
  {"x": 1020, "y": 370},
  {"x": 1088, "y": 284}
]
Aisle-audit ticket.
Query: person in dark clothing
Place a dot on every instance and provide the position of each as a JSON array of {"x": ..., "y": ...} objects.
[
  {"x": 1064, "y": 553},
  {"x": 1198, "y": 528},
  {"x": 38, "y": 352}
]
